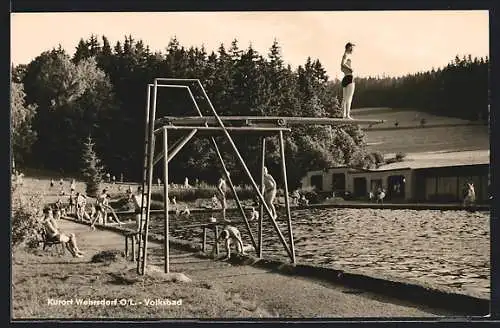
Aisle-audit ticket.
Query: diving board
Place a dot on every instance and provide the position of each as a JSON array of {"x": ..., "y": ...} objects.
[{"x": 261, "y": 120}]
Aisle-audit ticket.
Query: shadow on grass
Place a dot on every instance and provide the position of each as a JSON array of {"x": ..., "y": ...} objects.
[
  {"x": 190, "y": 262},
  {"x": 62, "y": 262},
  {"x": 245, "y": 274},
  {"x": 121, "y": 280}
]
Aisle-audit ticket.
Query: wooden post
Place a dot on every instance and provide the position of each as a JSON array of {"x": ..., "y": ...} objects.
[
  {"x": 133, "y": 247},
  {"x": 287, "y": 200},
  {"x": 204, "y": 245},
  {"x": 126, "y": 247},
  {"x": 145, "y": 175},
  {"x": 143, "y": 237},
  {"x": 261, "y": 211},
  {"x": 216, "y": 230},
  {"x": 165, "y": 201}
]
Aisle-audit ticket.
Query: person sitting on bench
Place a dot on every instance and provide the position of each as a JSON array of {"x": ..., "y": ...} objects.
[{"x": 54, "y": 233}]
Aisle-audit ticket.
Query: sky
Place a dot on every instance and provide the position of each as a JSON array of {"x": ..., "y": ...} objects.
[{"x": 391, "y": 43}]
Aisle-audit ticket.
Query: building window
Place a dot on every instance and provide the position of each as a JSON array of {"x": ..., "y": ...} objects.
[
  {"x": 375, "y": 184},
  {"x": 430, "y": 188},
  {"x": 396, "y": 187},
  {"x": 447, "y": 189},
  {"x": 338, "y": 182},
  {"x": 360, "y": 187},
  {"x": 317, "y": 182}
]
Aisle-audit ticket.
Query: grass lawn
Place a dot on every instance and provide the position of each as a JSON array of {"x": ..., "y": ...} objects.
[
  {"x": 41, "y": 280},
  {"x": 450, "y": 134},
  {"x": 41, "y": 277}
]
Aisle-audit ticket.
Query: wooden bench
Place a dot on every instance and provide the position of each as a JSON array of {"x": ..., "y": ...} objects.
[
  {"x": 49, "y": 242},
  {"x": 206, "y": 226},
  {"x": 133, "y": 236}
]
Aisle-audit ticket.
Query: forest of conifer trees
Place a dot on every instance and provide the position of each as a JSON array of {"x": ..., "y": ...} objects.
[{"x": 58, "y": 101}]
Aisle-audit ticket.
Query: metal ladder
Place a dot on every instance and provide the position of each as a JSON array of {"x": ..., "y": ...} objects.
[{"x": 145, "y": 190}]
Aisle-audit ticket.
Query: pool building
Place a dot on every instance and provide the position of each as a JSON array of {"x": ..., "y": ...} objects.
[{"x": 423, "y": 177}]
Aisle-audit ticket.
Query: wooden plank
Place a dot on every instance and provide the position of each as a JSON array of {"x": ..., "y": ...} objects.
[
  {"x": 229, "y": 128},
  {"x": 250, "y": 120}
]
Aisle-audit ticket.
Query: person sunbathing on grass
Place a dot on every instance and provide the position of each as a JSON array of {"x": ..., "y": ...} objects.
[{"x": 54, "y": 233}]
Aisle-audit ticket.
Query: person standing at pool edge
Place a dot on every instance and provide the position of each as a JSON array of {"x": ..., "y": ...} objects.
[
  {"x": 221, "y": 188},
  {"x": 270, "y": 192},
  {"x": 347, "y": 81}
]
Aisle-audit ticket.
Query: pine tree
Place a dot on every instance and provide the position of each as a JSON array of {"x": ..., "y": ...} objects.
[{"x": 92, "y": 169}]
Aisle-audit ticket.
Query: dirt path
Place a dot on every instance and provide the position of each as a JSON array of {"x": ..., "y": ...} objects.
[{"x": 283, "y": 296}]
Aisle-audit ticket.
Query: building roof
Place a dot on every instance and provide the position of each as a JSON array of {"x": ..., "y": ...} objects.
[{"x": 439, "y": 159}]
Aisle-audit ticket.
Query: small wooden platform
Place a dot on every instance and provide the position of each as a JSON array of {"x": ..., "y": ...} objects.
[{"x": 133, "y": 237}]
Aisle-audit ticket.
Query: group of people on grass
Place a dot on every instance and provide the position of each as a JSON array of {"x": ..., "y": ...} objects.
[{"x": 94, "y": 211}]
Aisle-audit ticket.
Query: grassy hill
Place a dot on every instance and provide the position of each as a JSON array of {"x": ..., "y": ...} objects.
[{"x": 439, "y": 133}]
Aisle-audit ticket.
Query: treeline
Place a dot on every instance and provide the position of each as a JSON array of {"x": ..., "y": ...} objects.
[
  {"x": 101, "y": 91},
  {"x": 460, "y": 89},
  {"x": 58, "y": 101}
]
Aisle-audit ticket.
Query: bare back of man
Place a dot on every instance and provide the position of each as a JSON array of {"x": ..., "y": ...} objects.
[
  {"x": 270, "y": 192},
  {"x": 230, "y": 235}
]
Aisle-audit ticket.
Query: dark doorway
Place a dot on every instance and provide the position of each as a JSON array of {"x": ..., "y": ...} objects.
[
  {"x": 360, "y": 187},
  {"x": 396, "y": 187},
  {"x": 317, "y": 182},
  {"x": 338, "y": 183}
]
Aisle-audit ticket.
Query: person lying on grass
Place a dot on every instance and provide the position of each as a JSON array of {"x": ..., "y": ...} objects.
[{"x": 54, "y": 233}]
